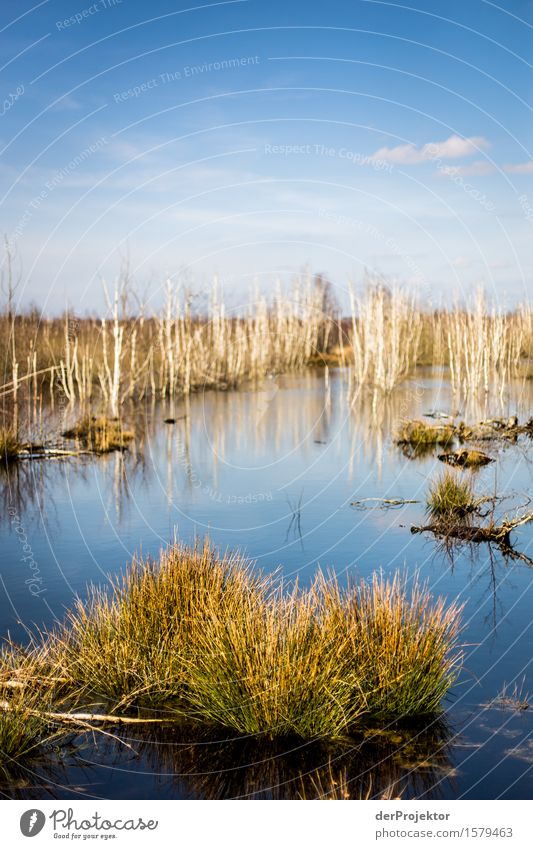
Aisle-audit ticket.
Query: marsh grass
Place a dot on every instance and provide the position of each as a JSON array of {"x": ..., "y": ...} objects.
[
  {"x": 400, "y": 643},
  {"x": 100, "y": 434},
  {"x": 9, "y": 445},
  {"x": 25, "y": 701},
  {"x": 516, "y": 698},
  {"x": 194, "y": 341},
  {"x": 209, "y": 639},
  {"x": 418, "y": 434},
  {"x": 451, "y": 497},
  {"x": 276, "y": 670},
  {"x": 25, "y": 730}
]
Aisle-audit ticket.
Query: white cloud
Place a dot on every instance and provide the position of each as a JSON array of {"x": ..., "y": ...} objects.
[
  {"x": 454, "y": 147},
  {"x": 519, "y": 167}
]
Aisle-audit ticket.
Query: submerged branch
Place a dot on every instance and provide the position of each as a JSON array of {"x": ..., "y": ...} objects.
[
  {"x": 499, "y": 534},
  {"x": 384, "y": 502},
  {"x": 66, "y": 716}
]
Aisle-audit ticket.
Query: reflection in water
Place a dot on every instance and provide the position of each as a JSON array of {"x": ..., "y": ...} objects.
[
  {"x": 267, "y": 421},
  {"x": 384, "y": 764},
  {"x": 484, "y": 561}
]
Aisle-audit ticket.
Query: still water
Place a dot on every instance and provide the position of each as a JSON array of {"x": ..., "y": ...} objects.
[{"x": 273, "y": 469}]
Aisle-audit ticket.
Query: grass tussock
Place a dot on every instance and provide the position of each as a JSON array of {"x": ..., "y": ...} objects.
[
  {"x": 450, "y": 497},
  {"x": 418, "y": 434},
  {"x": 9, "y": 445},
  {"x": 100, "y": 434},
  {"x": 212, "y": 640}
]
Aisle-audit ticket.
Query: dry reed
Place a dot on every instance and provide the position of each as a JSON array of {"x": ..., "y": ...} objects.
[
  {"x": 386, "y": 331},
  {"x": 183, "y": 349}
]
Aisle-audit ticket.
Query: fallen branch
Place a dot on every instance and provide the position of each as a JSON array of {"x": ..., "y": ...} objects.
[
  {"x": 17, "y": 683},
  {"x": 93, "y": 717},
  {"x": 6, "y": 388},
  {"x": 466, "y": 533},
  {"x": 50, "y": 452},
  {"x": 106, "y": 717},
  {"x": 384, "y": 502},
  {"x": 500, "y": 534}
]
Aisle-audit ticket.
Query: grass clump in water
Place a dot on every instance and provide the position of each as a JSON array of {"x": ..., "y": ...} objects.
[
  {"x": 210, "y": 639},
  {"x": 100, "y": 434},
  {"x": 451, "y": 497},
  {"x": 9, "y": 445},
  {"x": 421, "y": 435}
]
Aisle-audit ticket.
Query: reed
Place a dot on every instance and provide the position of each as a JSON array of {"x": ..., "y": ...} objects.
[
  {"x": 209, "y": 639},
  {"x": 485, "y": 346},
  {"x": 170, "y": 353},
  {"x": 181, "y": 348},
  {"x": 386, "y": 333}
]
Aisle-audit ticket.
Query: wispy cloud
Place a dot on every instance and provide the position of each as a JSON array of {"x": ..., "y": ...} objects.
[
  {"x": 454, "y": 147},
  {"x": 519, "y": 167},
  {"x": 67, "y": 102}
]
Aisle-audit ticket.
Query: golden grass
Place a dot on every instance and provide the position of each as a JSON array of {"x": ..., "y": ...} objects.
[
  {"x": 209, "y": 639},
  {"x": 100, "y": 434}
]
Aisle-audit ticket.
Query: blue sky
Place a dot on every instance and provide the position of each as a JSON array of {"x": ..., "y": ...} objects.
[{"x": 252, "y": 140}]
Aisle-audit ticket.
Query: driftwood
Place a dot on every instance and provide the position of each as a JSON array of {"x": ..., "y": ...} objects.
[
  {"x": 94, "y": 717},
  {"x": 499, "y": 534},
  {"x": 383, "y": 502},
  {"x": 37, "y": 453}
]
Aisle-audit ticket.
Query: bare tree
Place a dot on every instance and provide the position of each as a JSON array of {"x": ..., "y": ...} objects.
[{"x": 9, "y": 278}]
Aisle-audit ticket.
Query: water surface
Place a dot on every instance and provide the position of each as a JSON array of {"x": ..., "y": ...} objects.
[{"x": 273, "y": 469}]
